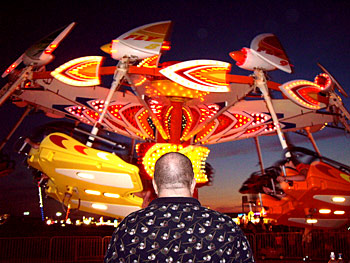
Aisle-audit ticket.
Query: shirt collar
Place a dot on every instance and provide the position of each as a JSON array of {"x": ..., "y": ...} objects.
[{"x": 176, "y": 200}]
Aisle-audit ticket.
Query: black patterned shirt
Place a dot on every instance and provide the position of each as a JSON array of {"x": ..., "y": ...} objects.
[{"x": 178, "y": 229}]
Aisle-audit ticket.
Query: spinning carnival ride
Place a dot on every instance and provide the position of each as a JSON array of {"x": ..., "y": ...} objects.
[{"x": 168, "y": 106}]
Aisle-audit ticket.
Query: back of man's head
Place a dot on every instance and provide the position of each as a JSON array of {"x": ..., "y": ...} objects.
[{"x": 173, "y": 170}]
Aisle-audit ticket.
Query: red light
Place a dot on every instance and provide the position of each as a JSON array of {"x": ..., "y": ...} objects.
[
  {"x": 205, "y": 114},
  {"x": 27, "y": 85},
  {"x": 50, "y": 48},
  {"x": 166, "y": 45},
  {"x": 323, "y": 80},
  {"x": 239, "y": 56},
  {"x": 92, "y": 114},
  {"x": 10, "y": 68},
  {"x": 114, "y": 110}
]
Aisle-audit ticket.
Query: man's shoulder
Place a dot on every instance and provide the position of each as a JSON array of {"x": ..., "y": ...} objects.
[
  {"x": 159, "y": 211},
  {"x": 215, "y": 213},
  {"x": 174, "y": 206},
  {"x": 222, "y": 219},
  {"x": 137, "y": 214}
]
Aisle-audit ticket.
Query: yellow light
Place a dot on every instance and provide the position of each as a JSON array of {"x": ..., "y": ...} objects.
[
  {"x": 324, "y": 211},
  {"x": 99, "y": 206},
  {"x": 196, "y": 154},
  {"x": 87, "y": 221},
  {"x": 338, "y": 199},
  {"x": 311, "y": 221},
  {"x": 85, "y": 175},
  {"x": 150, "y": 62},
  {"x": 111, "y": 195},
  {"x": 58, "y": 214},
  {"x": 170, "y": 88},
  {"x": 92, "y": 192},
  {"x": 339, "y": 212}
]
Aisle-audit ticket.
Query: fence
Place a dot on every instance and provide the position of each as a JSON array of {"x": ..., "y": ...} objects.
[
  {"x": 53, "y": 249},
  {"x": 64, "y": 249}
]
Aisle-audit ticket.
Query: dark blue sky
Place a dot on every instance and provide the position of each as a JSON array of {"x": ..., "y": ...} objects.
[{"x": 310, "y": 31}]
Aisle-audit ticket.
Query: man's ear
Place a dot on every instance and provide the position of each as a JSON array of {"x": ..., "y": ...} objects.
[
  {"x": 193, "y": 185},
  {"x": 155, "y": 186}
]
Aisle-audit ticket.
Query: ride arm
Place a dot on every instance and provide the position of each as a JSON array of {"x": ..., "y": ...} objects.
[{"x": 298, "y": 178}]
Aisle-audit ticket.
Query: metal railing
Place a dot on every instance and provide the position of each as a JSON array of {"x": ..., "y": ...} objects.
[
  {"x": 64, "y": 249},
  {"x": 76, "y": 249},
  {"x": 25, "y": 249},
  {"x": 316, "y": 246}
]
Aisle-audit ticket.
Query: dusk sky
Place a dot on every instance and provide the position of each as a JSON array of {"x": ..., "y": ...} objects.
[{"x": 310, "y": 31}]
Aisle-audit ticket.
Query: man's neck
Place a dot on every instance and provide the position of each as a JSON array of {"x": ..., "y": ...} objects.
[{"x": 178, "y": 192}]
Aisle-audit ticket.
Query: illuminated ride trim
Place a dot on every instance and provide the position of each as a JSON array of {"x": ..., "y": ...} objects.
[
  {"x": 303, "y": 93},
  {"x": 203, "y": 75},
  {"x": 80, "y": 72},
  {"x": 324, "y": 81}
]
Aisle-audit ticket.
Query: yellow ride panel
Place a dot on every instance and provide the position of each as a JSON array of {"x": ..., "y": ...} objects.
[{"x": 89, "y": 179}]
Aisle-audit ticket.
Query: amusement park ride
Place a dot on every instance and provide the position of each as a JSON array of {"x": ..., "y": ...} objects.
[{"x": 167, "y": 107}]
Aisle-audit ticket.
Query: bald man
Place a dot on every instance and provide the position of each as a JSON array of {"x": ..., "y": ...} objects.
[{"x": 175, "y": 227}]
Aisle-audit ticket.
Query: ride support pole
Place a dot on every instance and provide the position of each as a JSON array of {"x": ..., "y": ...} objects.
[
  {"x": 25, "y": 113},
  {"x": 311, "y": 138},
  {"x": 260, "y": 82},
  {"x": 7, "y": 90},
  {"x": 176, "y": 122},
  {"x": 335, "y": 100},
  {"x": 258, "y": 149},
  {"x": 120, "y": 72}
]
